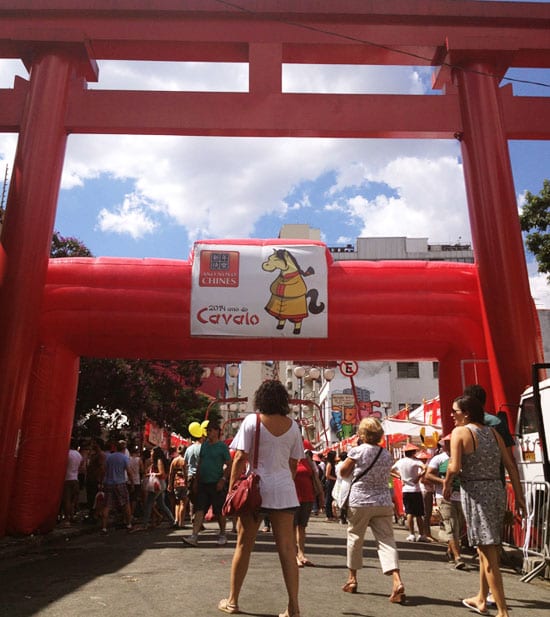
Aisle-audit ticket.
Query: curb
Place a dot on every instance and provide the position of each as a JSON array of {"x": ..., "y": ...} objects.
[{"x": 16, "y": 546}]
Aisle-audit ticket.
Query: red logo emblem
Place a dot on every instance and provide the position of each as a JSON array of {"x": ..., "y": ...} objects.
[{"x": 219, "y": 269}]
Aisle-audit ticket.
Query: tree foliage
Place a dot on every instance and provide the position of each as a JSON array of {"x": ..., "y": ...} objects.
[
  {"x": 68, "y": 247},
  {"x": 535, "y": 220},
  {"x": 161, "y": 390}
]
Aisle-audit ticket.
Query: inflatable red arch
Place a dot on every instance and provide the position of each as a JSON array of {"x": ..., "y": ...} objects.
[
  {"x": 108, "y": 307},
  {"x": 50, "y": 315}
]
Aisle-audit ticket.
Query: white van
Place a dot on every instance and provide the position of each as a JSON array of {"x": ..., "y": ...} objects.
[{"x": 533, "y": 432}]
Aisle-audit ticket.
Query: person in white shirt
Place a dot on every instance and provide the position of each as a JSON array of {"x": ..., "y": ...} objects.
[
  {"x": 410, "y": 471},
  {"x": 71, "y": 488},
  {"x": 280, "y": 449}
]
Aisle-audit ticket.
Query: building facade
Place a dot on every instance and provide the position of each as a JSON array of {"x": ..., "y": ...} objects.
[{"x": 398, "y": 384}]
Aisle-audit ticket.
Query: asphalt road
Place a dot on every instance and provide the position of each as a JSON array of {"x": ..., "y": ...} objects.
[{"x": 154, "y": 573}]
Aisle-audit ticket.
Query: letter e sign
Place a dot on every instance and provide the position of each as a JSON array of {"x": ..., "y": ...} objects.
[{"x": 348, "y": 368}]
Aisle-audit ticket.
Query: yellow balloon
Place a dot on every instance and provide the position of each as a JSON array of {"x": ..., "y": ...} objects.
[
  {"x": 195, "y": 430},
  {"x": 204, "y": 425}
]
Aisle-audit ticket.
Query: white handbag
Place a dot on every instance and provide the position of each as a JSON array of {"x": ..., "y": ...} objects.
[{"x": 341, "y": 490}]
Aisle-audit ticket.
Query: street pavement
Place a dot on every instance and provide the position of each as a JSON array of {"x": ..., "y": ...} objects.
[{"x": 79, "y": 572}]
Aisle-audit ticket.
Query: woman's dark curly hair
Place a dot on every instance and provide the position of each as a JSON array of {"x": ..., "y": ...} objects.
[
  {"x": 471, "y": 408},
  {"x": 271, "y": 398}
]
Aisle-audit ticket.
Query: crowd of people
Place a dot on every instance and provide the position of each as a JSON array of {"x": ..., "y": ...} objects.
[
  {"x": 464, "y": 480},
  {"x": 137, "y": 485}
]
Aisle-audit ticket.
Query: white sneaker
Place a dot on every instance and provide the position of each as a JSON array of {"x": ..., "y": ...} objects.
[
  {"x": 410, "y": 538},
  {"x": 422, "y": 539},
  {"x": 192, "y": 540},
  {"x": 222, "y": 539}
]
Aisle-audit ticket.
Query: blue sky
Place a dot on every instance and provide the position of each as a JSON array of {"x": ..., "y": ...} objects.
[{"x": 137, "y": 196}]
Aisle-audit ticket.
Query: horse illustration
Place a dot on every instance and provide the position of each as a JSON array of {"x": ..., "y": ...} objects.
[{"x": 289, "y": 292}]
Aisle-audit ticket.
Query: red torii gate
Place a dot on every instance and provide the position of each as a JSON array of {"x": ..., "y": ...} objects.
[{"x": 472, "y": 43}]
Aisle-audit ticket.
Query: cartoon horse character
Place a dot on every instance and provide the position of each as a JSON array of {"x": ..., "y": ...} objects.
[{"x": 289, "y": 292}]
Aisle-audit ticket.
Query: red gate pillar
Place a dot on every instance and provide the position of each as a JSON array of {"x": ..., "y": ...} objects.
[
  {"x": 26, "y": 238},
  {"x": 45, "y": 435},
  {"x": 511, "y": 320}
]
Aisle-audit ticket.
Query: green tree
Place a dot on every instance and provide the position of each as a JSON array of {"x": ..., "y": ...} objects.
[
  {"x": 68, "y": 247},
  {"x": 535, "y": 220},
  {"x": 161, "y": 390}
]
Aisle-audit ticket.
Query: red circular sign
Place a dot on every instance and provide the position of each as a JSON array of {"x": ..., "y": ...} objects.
[{"x": 348, "y": 368}]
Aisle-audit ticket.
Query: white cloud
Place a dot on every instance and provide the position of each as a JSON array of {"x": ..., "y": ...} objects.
[
  {"x": 334, "y": 207},
  {"x": 354, "y": 79},
  {"x": 222, "y": 187},
  {"x": 129, "y": 218},
  {"x": 8, "y": 143},
  {"x": 429, "y": 200},
  {"x": 540, "y": 288},
  {"x": 303, "y": 202},
  {"x": 8, "y": 69},
  {"x": 352, "y": 175},
  {"x": 520, "y": 200},
  {"x": 172, "y": 76}
]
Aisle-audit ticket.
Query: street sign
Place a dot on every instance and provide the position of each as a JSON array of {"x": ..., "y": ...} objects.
[{"x": 348, "y": 368}]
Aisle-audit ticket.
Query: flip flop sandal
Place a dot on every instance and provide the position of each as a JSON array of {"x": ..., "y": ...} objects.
[
  {"x": 474, "y": 608},
  {"x": 226, "y": 607}
]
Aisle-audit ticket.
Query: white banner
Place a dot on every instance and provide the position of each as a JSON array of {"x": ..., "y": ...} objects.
[{"x": 259, "y": 291}]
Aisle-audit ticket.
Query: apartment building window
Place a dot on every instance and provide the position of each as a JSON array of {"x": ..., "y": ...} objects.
[
  {"x": 408, "y": 370},
  {"x": 435, "y": 370}
]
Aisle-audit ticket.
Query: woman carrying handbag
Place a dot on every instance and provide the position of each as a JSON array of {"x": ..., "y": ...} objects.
[
  {"x": 280, "y": 449},
  {"x": 370, "y": 505},
  {"x": 156, "y": 489}
]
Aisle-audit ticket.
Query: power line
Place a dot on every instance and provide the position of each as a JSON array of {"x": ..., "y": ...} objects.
[{"x": 380, "y": 46}]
